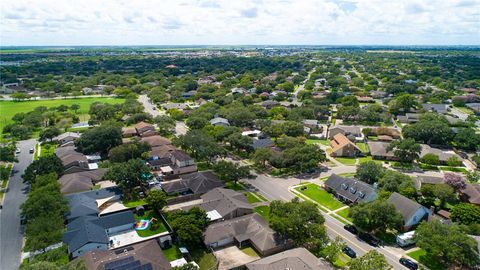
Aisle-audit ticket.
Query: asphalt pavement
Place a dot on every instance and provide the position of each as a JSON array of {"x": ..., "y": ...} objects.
[
  {"x": 11, "y": 235},
  {"x": 277, "y": 189}
]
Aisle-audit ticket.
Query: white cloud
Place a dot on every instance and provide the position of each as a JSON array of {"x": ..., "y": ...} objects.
[{"x": 173, "y": 22}]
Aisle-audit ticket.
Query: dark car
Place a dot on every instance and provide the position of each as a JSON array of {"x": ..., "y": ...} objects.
[
  {"x": 349, "y": 251},
  {"x": 351, "y": 229},
  {"x": 408, "y": 263},
  {"x": 369, "y": 239}
]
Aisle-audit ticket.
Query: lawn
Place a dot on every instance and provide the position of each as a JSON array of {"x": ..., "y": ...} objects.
[
  {"x": 9, "y": 108},
  {"x": 59, "y": 256},
  {"x": 250, "y": 252},
  {"x": 341, "y": 260},
  {"x": 172, "y": 253},
  {"x": 253, "y": 197},
  {"x": 314, "y": 141},
  {"x": 369, "y": 158},
  {"x": 346, "y": 161},
  {"x": 429, "y": 261},
  {"x": 363, "y": 147},
  {"x": 320, "y": 196},
  {"x": 234, "y": 186},
  {"x": 47, "y": 149},
  {"x": 133, "y": 203},
  {"x": 344, "y": 213},
  {"x": 204, "y": 259},
  {"x": 263, "y": 211},
  {"x": 154, "y": 229},
  {"x": 453, "y": 169}
]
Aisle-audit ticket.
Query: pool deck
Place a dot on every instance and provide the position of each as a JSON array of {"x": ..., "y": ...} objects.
[{"x": 131, "y": 237}]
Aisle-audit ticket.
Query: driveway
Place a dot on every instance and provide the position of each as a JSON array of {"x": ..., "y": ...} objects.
[
  {"x": 231, "y": 257},
  {"x": 11, "y": 235}
]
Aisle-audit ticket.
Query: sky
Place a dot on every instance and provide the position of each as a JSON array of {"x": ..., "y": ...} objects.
[{"x": 239, "y": 22}]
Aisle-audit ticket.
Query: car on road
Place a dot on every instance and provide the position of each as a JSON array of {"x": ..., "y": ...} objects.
[
  {"x": 31, "y": 151},
  {"x": 17, "y": 151},
  {"x": 369, "y": 239},
  {"x": 351, "y": 229},
  {"x": 349, "y": 251},
  {"x": 408, "y": 263},
  {"x": 154, "y": 108}
]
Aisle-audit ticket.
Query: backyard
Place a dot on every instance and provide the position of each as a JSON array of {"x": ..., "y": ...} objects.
[
  {"x": 320, "y": 196},
  {"x": 156, "y": 227}
]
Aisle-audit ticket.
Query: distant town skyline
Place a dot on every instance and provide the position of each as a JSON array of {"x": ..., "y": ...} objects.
[{"x": 252, "y": 22}]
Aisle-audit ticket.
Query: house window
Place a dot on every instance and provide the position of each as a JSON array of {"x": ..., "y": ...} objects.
[
  {"x": 352, "y": 190},
  {"x": 344, "y": 186}
]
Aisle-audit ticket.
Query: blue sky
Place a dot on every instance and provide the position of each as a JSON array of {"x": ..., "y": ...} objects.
[{"x": 229, "y": 22}]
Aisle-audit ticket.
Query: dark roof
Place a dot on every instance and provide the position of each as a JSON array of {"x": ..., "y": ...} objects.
[
  {"x": 404, "y": 205},
  {"x": 251, "y": 227},
  {"x": 180, "y": 155},
  {"x": 261, "y": 143},
  {"x": 84, "y": 230},
  {"x": 224, "y": 201},
  {"x": 84, "y": 203},
  {"x": 351, "y": 189},
  {"x": 380, "y": 149},
  {"x": 439, "y": 108},
  {"x": 80, "y": 181},
  {"x": 160, "y": 162},
  {"x": 197, "y": 183},
  {"x": 68, "y": 154},
  {"x": 348, "y": 130},
  {"x": 147, "y": 253},
  {"x": 293, "y": 259},
  {"x": 117, "y": 219}
]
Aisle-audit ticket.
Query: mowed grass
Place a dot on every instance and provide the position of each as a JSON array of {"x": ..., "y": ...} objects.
[
  {"x": 344, "y": 213},
  {"x": 421, "y": 256},
  {"x": 160, "y": 226},
  {"x": 320, "y": 196},
  {"x": 9, "y": 108},
  {"x": 346, "y": 161},
  {"x": 263, "y": 211}
]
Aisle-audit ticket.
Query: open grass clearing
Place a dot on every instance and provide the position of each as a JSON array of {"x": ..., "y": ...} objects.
[
  {"x": 322, "y": 197},
  {"x": 346, "y": 161}
]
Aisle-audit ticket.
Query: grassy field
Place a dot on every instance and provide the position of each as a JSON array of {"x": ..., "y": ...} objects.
[
  {"x": 9, "y": 108},
  {"x": 320, "y": 196},
  {"x": 149, "y": 232},
  {"x": 264, "y": 211},
  {"x": 430, "y": 262},
  {"x": 346, "y": 161}
]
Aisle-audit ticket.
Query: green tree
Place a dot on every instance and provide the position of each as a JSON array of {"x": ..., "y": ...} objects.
[
  {"x": 301, "y": 222},
  {"x": 262, "y": 155},
  {"x": 200, "y": 145},
  {"x": 99, "y": 139},
  {"x": 406, "y": 150},
  {"x": 372, "y": 260},
  {"x": 454, "y": 161},
  {"x": 304, "y": 157},
  {"x": 369, "y": 171},
  {"x": 430, "y": 159},
  {"x": 75, "y": 107},
  {"x": 333, "y": 249},
  {"x": 189, "y": 225},
  {"x": 402, "y": 103},
  {"x": 7, "y": 153},
  {"x": 166, "y": 124},
  {"x": 125, "y": 152},
  {"x": 49, "y": 133},
  {"x": 447, "y": 243},
  {"x": 378, "y": 215},
  {"x": 466, "y": 213},
  {"x": 128, "y": 175},
  {"x": 467, "y": 139},
  {"x": 430, "y": 129},
  {"x": 43, "y": 165},
  {"x": 229, "y": 171},
  {"x": 157, "y": 199}
]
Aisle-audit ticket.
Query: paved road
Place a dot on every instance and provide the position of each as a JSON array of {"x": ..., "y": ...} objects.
[
  {"x": 11, "y": 236},
  {"x": 149, "y": 106},
  {"x": 277, "y": 189}
]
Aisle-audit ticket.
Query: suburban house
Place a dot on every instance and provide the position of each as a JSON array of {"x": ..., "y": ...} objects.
[
  {"x": 475, "y": 107},
  {"x": 67, "y": 138},
  {"x": 250, "y": 230},
  {"x": 145, "y": 129},
  {"x": 386, "y": 131},
  {"x": 443, "y": 154},
  {"x": 292, "y": 259},
  {"x": 350, "y": 190},
  {"x": 80, "y": 181},
  {"x": 156, "y": 140},
  {"x": 168, "y": 161},
  {"x": 223, "y": 204},
  {"x": 413, "y": 213},
  {"x": 471, "y": 194},
  {"x": 146, "y": 255},
  {"x": 348, "y": 131},
  {"x": 128, "y": 132},
  {"x": 378, "y": 150},
  {"x": 378, "y": 94},
  {"x": 178, "y": 106},
  {"x": 427, "y": 180},
  {"x": 268, "y": 104},
  {"x": 219, "y": 121},
  {"x": 261, "y": 143},
  {"x": 438, "y": 108},
  {"x": 343, "y": 147},
  {"x": 313, "y": 125},
  {"x": 88, "y": 233},
  {"x": 91, "y": 203},
  {"x": 409, "y": 118},
  {"x": 193, "y": 183},
  {"x": 72, "y": 160}
]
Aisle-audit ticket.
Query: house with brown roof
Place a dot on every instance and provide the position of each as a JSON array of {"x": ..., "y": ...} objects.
[
  {"x": 250, "y": 230},
  {"x": 80, "y": 181},
  {"x": 145, "y": 129},
  {"x": 168, "y": 161},
  {"x": 471, "y": 194},
  {"x": 378, "y": 150},
  {"x": 343, "y": 147},
  {"x": 292, "y": 259},
  {"x": 128, "y": 132},
  {"x": 349, "y": 131},
  {"x": 223, "y": 204},
  {"x": 412, "y": 212},
  {"x": 156, "y": 140},
  {"x": 193, "y": 183},
  {"x": 72, "y": 160},
  {"x": 143, "y": 255}
]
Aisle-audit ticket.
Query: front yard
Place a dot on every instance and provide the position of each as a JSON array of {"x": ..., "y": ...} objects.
[
  {"x": 47, "y": 149},
  {"x": 421, "y": 256},
  {"x": 263, "y": 211},
  {"x": 254, "y": 197},
  {"x": 346, "y": 161},
  {"x": 320, "y": 196},
  {"x": 156, "y": 227}
]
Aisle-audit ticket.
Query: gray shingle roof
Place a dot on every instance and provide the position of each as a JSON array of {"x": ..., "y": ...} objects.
[
  {"x": 351, "y": 189},
  {"x": 84, "y": 230},
  {"x": 404, "y": 205},
  {"x": 293, "y": 259},
  {"x": 225, "y": 201},
  {"x": 197, "y": 183}
]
